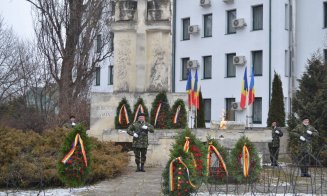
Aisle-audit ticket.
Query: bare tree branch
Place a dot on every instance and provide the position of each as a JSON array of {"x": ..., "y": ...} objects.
[{"x": 66, "y": 34}]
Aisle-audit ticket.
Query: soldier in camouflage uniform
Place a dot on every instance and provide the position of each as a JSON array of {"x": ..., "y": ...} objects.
[
  {"x": 139, "y": 130},
  {"x": 274, "y": 144},
  {"x": 304, "y": 132},
  {"x": 72, "y": 122}
]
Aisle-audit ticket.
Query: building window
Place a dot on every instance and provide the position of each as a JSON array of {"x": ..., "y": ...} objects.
[
  {"x": 230, "y": 114},
  {"x": 186, "y": 24},
  {"x": 231, "y": 15},
  {"x": 257, "y": 62},
  {"x": 207, "y": 110},
  {"x": 112, "y": 35},
  {"x": 184, "y": 68},
  {"x": 231, "y": 68},
  {"x": 287, "y": 16},
  {"x": 111, "y": 75},
  {"x": 257, "y": 12},
  {"x": 207, "y": 67},
  {"x": 325, "y": 55},
  {"x": 257, "y": 110},
  {"x": 287, "y": 67},
  {"x": 99, "y": 43},
  {"x": 325, "y": 14},
  {"x": 207, "y": 21},
  {"x": 97, "y": 76}
]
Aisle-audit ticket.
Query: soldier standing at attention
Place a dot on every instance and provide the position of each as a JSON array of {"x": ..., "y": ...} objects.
[
  {"x": 71, "y": 123},
  {"x": 274, "y": 144},
  {"x": 139, "y": 130},
  {"x": 304, "y": 132}
]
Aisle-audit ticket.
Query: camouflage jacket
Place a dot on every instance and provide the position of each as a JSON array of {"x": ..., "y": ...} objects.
[
  {"x": 301, "y": 130},
  {"x": 142, "y": 140},
  {"x": 275, "y": 136}
]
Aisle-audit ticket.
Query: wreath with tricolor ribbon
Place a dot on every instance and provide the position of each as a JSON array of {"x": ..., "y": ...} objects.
[{"x": 74, "y": 164}]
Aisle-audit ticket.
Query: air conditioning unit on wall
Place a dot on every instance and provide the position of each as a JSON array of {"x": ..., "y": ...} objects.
[
  {"x": 239, "y": 60},
  {"x": 228, "y": 1},
  {"x": 239, "y": 23},
  {"x": 236, "y": 106},
  {"x": 205, "y": 3},
  {"x": 193, "y": 29},
  {"x": 192, "y": 64}
]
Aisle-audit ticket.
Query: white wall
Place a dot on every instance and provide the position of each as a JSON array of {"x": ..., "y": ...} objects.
[
  {"x": 242, "y": 43},
  {"x": 310, "y": 32}
]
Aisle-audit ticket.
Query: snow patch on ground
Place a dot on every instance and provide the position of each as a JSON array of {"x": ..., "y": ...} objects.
[
  {"x": 46, "y": 192},
  {"x": 261, "y": 194}
]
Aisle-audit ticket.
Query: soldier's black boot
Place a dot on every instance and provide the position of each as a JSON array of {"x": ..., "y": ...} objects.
[
  {"x": 142, "y": 167},
  {"x": 138, "y": 167}
]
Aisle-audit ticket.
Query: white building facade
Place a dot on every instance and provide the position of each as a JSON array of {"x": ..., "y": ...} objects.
[{"x": 273, "y": 36}]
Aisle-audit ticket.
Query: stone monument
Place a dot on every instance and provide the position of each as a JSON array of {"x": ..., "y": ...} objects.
[{"x": 142, "y": 60}]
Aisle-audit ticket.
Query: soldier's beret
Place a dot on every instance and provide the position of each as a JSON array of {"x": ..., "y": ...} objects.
[
  {"x": 140, "y": 114},
  {"x": 305, "y": 117}
]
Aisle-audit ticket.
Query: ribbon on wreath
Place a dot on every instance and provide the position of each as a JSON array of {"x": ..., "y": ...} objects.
[
  {"x": 157, "y": 114},
  {"x": 246, "y": 161},
  {"x": 171, "y": 173},
  {"x": 140, "y": 107},
  {"x": 177, "y": 114},
  {"x": 77, "y": 140},
  {"x": 214, "y": 149},
  {"x": 186, "y": 149},
  {"x": 187, "y": 144},
  {"x": 123, "y": 108}
]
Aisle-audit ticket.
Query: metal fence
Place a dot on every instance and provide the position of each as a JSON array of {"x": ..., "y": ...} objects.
[{"x": 282, "y": 179}]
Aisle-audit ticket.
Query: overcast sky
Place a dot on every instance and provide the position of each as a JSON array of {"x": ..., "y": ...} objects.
[{"x": 17, "y": 14}]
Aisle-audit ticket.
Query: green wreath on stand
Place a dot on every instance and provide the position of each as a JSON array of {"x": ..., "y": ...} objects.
[
  {"x": 217, "y": 160},
  {"x": 75, "y": 162},
  {"x": 123, "y": 115},
  {"x": 140, "y": 107},
  {"x": 185, "y": 170},
  {"x": 178, "y": 115},
  {"x": 244, "y": 165},
  {"x": 160, "y": 112}
]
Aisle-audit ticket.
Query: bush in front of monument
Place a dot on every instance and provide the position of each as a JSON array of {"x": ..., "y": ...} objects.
[{"x": 28, "y": 159}]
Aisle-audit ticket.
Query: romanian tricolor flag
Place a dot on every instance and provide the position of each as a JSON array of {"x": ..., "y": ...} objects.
[
  {"x": 244, "y": 89},
  {"x": 251, "y": 89},
  {"x": 196, "y": 91},
  {"x": 189, "y": 88}
]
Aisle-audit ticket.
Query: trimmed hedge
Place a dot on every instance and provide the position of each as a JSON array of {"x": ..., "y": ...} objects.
[{"x": 28, "y": 159}]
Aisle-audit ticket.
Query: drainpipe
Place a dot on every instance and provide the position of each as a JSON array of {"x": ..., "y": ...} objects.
[
  {"x": 269, "y": 53},
  {"x": 173, "y": 47}
]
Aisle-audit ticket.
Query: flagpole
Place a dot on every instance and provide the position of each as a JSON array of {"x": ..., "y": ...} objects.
[
  {"x": 190, "y": 114},
  {"x": 196, "y": 118}
]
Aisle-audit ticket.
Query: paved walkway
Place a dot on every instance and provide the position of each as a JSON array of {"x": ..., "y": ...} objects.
[{"x": 130, "y": 183}]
